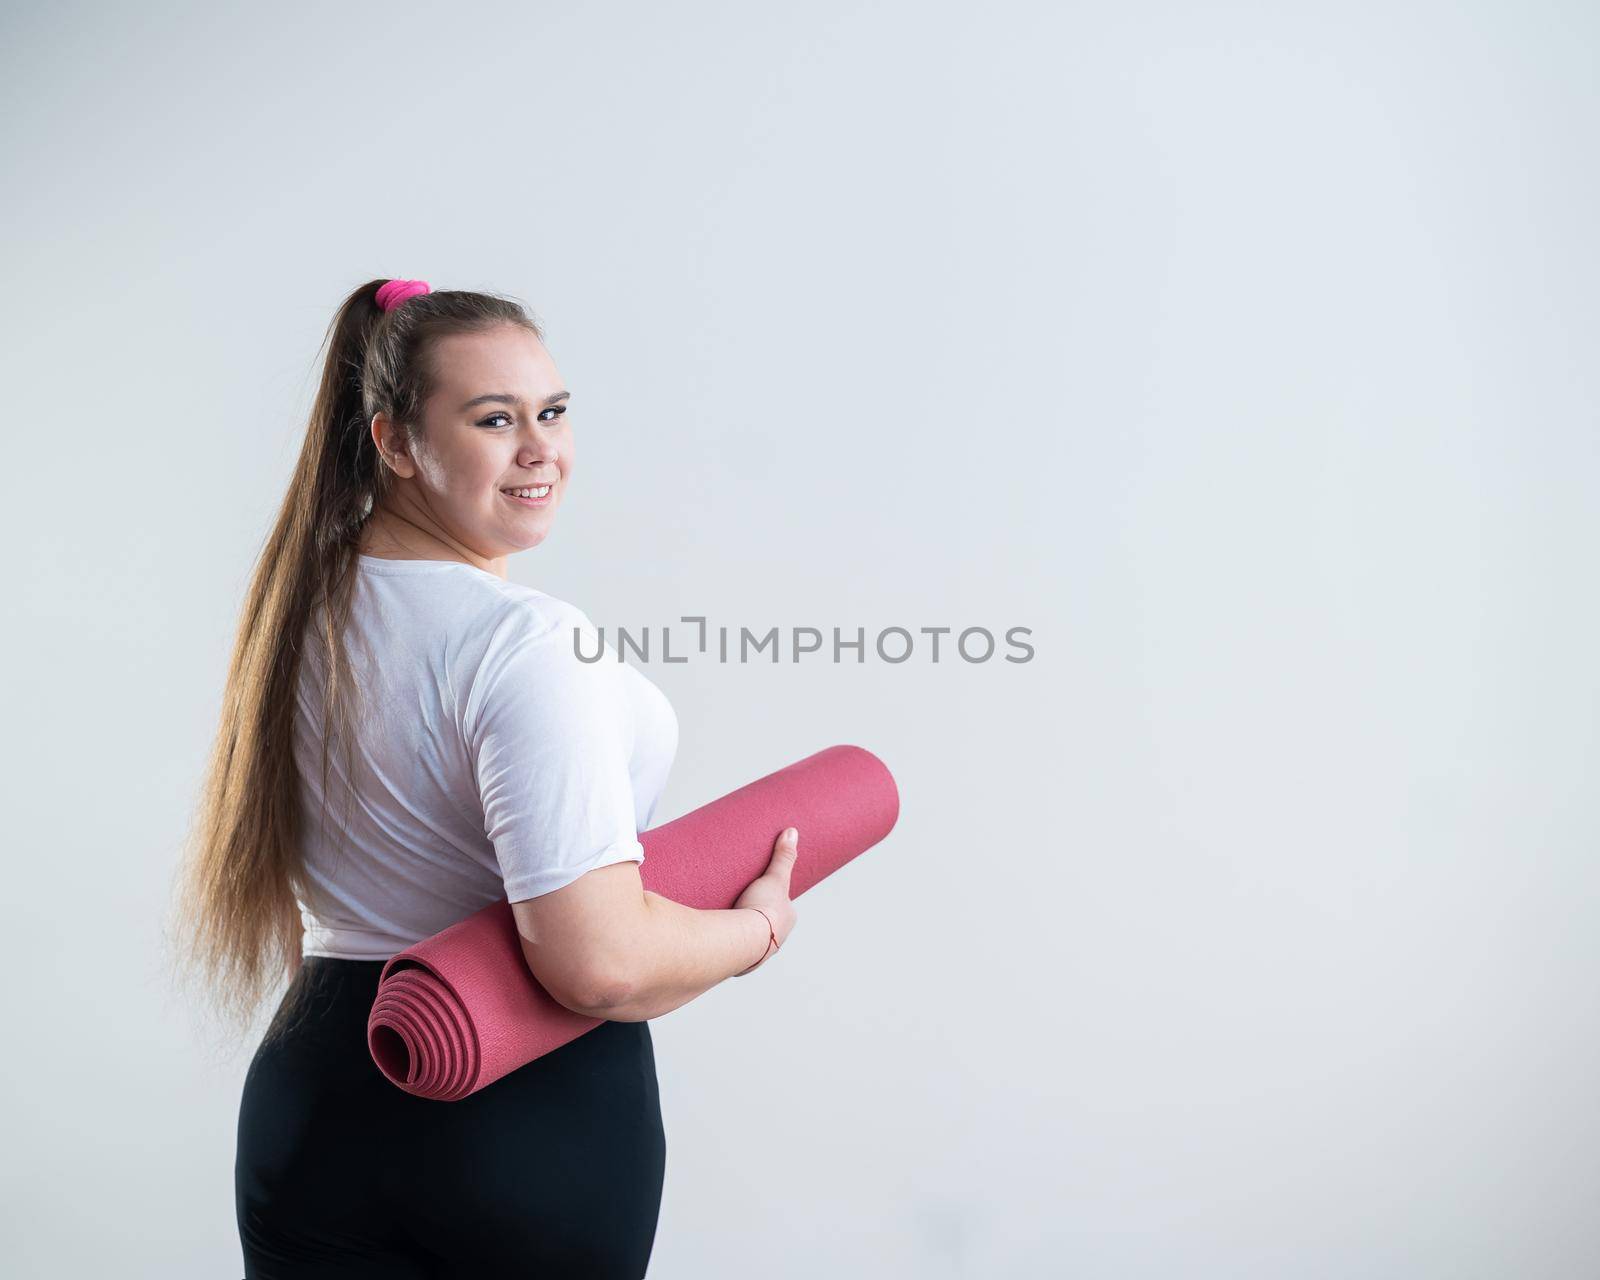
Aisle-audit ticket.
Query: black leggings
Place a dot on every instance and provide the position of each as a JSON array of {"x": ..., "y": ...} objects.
[{"x": 553, "y": 1170}]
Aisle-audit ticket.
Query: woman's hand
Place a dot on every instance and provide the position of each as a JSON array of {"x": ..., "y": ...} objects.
[{"x": 770, "y": 892}]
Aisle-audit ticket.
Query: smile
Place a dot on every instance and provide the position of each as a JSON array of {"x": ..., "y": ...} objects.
[{"x": 535, "y": 497}]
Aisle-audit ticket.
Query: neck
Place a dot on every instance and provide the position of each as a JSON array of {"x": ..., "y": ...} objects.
[{"x": 391, "y": 536}]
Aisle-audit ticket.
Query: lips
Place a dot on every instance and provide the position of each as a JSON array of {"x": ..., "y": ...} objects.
[{"x": 541, "y": 501}]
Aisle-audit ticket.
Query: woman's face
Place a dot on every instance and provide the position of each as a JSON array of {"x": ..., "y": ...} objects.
[{"x": 497, "y": 421}]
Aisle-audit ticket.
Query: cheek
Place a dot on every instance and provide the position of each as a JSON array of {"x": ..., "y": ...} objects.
[{"x": 475, "y": 471}]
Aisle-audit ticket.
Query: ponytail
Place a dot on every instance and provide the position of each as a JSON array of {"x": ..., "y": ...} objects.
[{"x": 237, "y": 922}]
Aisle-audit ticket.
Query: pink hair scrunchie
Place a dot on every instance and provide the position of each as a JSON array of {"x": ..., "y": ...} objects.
[{"x": 394, "y": 292}]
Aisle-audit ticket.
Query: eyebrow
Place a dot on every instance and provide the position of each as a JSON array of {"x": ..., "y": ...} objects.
[{"x": 505, "y": 397}]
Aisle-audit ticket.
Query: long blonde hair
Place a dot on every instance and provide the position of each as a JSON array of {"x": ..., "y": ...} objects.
[{"x": 235, "y": 922}]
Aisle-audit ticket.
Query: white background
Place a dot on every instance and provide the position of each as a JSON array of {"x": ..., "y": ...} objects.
[{"x": 1244, "y": 352}]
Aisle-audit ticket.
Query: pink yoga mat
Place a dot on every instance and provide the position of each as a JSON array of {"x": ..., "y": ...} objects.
[{"x": 459, "y": 1010}]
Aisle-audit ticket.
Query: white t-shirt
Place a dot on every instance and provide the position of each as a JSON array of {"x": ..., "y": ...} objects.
[{"x": 490, "y": 760}]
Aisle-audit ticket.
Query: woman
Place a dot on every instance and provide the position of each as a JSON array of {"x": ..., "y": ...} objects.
[{"x": 481, "y": 759}]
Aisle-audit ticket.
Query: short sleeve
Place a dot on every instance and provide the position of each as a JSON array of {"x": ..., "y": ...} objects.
[{"x": 550, "y": 743}]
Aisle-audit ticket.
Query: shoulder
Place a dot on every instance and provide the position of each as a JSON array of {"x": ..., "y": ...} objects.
[
  {"x": 467, "y": 607},
  {"x": 531, "y": 647},
  {"x": 518, "y": 620}
]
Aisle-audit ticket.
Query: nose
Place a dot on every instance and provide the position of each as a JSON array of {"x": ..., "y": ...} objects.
[{"x": 540, "y": 447}]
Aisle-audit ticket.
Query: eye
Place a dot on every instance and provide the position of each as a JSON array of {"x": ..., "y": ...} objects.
[{"x": 557, "y": 409}]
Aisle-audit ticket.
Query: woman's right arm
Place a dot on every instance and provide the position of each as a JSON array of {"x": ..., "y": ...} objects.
[
  {"x": 549, "y": 740},
  {"x": 607, "y": 947}
]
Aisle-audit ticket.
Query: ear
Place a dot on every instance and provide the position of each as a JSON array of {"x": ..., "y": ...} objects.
[{"x": 391, "y": 445}]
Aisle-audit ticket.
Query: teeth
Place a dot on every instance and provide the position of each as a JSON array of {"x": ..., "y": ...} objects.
[{"x": 531, "y": 493}]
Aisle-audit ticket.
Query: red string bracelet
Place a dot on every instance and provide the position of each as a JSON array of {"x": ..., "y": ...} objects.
[{"x": 772, "y": 939}]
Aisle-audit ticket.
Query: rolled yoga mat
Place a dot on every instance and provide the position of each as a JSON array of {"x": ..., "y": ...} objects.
[{"x": 459, "y": 1010}]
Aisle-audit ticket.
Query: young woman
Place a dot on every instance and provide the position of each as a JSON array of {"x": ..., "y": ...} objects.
[{"x": 480, "y": 759}]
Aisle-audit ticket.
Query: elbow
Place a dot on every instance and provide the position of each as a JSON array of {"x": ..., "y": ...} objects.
[
  {"x": 602, "y": 996},
  {"x": 610, "y": 1000},
  {"x": 584, "y": 987}
]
